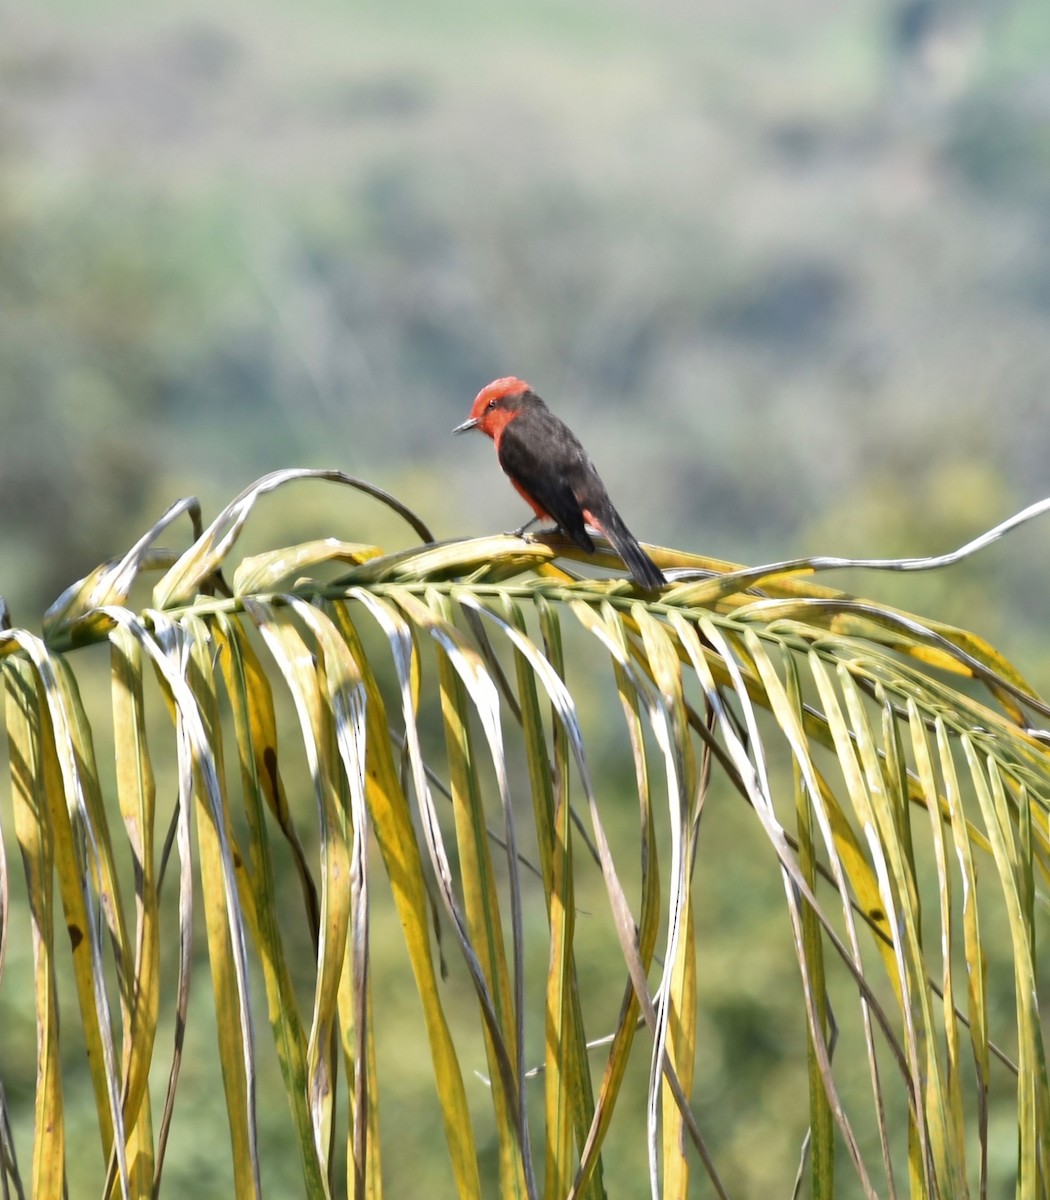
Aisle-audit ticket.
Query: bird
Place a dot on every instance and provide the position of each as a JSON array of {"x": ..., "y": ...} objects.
[{"x": 550, "y": 469}]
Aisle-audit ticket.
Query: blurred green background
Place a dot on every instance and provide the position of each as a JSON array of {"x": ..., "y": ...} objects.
[
  {"x": 788, "y": 269},
  {"x": 785, "y": 267}
]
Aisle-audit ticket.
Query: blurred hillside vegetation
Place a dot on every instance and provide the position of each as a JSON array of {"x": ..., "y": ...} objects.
[{"x": 788, "y": 266}]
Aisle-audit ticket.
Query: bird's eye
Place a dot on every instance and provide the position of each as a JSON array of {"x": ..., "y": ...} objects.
[{"x": 492, "y": 404}]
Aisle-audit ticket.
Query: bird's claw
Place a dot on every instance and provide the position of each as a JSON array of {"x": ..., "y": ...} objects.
[{"x": 521, "y": 531}]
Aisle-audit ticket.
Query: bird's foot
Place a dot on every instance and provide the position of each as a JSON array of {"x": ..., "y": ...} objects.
[{"x": 521, "y": 532}]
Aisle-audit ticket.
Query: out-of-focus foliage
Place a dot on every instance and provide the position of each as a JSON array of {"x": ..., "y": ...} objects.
[{"x": 777, "y": 261}]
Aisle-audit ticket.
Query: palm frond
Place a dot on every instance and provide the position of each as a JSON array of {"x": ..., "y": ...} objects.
[{"x": 426, "y": 689}]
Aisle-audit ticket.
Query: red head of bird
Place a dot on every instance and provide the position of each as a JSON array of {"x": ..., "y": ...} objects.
[{"x": 495, "y": 406}]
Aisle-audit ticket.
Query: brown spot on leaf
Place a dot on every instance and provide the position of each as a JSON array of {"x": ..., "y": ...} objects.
[{"x": 270, "y": 761}]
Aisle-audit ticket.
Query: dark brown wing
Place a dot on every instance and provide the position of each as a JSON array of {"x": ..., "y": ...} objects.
[
  {"x": 547, "y": 464},
  {"x": 545, "y": 461}
]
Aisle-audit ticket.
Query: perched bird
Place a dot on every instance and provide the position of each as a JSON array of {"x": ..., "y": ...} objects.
[{"x": 544, "y": 460}]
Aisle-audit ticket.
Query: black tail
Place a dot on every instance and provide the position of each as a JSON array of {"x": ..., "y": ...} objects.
[{"x": 646, "y": 573}]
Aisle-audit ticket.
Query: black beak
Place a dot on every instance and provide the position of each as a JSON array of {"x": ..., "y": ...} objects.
[{"x": 466, "y": 425}]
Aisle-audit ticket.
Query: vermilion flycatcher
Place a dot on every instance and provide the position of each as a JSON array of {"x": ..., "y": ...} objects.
[{"x": 544, "y": 460}]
